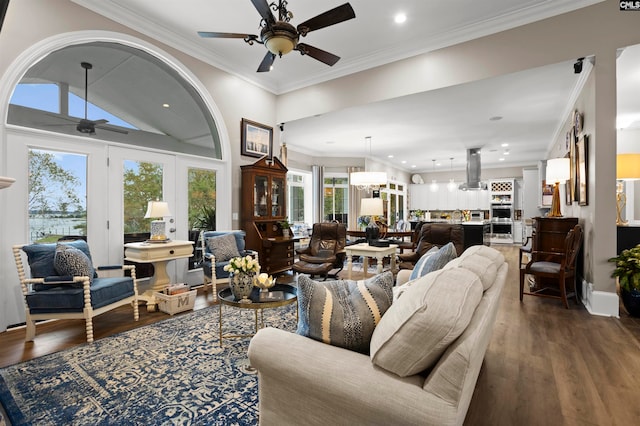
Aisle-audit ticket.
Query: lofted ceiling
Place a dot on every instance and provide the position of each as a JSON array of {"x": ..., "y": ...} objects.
[{"x": 439, "y": 124}]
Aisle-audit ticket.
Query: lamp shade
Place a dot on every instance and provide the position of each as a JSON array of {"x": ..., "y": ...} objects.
[
  {"x": 368, "y": 178},
  {"x": 628, "y": 166},
  {"x": 157, "y": 209},
  {"x": 558, "y": 170},
  {"x": 371, "y": 207}
]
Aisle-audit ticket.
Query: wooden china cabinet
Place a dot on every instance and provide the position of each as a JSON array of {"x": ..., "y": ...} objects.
[{"x": 264, "y": 206}]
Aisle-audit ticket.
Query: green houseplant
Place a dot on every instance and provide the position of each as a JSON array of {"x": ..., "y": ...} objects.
[
  {"x": 285, "y": 226},
  {"x": 628, "y": 273}
]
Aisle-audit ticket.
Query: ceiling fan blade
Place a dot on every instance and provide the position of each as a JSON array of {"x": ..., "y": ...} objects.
[
  {"x": 111, "y": 129},
  {"x": 319, "y": 54},
  {"x": 263, "y": 9},
  {"x": 330, "y": 17},
  {"x": 209, "y": 34},
  {"x": 267, "y": 61}
]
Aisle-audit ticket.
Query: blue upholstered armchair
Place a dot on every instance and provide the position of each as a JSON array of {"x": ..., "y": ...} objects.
[
  {"x": 218, "y": 247},
  {"x": 65, "y": 285}
]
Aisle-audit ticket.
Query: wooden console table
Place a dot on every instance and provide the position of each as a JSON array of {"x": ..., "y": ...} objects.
[{"x": 158, "y": 254}]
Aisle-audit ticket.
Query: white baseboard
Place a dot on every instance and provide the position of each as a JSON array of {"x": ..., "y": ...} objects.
[{"x": 602, "y": 303}]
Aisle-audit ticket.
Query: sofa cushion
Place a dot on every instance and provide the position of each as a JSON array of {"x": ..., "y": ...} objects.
[
  {"x": 482, "y": 266},
  {"x": 417, "y": 329},
  {"x": 496, "y": 257},
  {"x": 223, "y": 247},
  {"x": 423, "y": 266},
  {"x": 70, "y": 261},
  {"x": 343, "y": 312}
]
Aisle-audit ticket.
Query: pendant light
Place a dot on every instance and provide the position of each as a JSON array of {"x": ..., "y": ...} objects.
[
  {"x": 434, "y": 184},
  {"x": 451, "y": 186}
]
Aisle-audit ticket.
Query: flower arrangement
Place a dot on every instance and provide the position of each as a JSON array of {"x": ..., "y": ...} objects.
[
  {"x": 628, "y": 268},
  {"x": 246, "y": 264},
  {"x": 363, "y": 221},
  {"x": 284, "y": 224}
]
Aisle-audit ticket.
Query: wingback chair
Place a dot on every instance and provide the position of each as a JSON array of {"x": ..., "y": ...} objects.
[
  {"x": 218, "y": 247},
  {"x": 65, "y": 285},
  {"x": 434, "y": 234},
  {"x": 325, "y": 251}
]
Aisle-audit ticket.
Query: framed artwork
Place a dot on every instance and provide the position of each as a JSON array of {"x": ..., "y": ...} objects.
[
  {"x": 571, "y": 183},
  {"x": 582, "y": 166},
  {"x": 256, "y": 139},
  {"x": 568, "y": 195}
]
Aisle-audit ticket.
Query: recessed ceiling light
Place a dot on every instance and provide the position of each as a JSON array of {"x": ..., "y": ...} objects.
[
  {"x": 438, "y": 164},
  {"x": 413, "y": 166},
  {"x": 495, "y": 118},
  {"x": 165, "y": 105},
  {"x": 504, "y": 145},
  {"x": 400, "y": 18},
  {"x": 506, "y": 152},
  {"x": 404, "y": 161},
  {"x": 390, "y": 156},
  {"x": 501, "y": 159}
]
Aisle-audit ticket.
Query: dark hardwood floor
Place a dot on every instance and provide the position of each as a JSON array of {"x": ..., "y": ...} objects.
[{"x": 545, "y": 364}]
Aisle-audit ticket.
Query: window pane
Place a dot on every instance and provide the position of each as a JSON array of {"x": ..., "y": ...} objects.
[
  {"x": 296, "y": 204},
  {"x": 57, "y": 195},
  {"x": 45, "y": 97},
  {"x": 76, "y": 109},
  {"x": 142, "y": 183},
  {"x": 202, "y": 208}
]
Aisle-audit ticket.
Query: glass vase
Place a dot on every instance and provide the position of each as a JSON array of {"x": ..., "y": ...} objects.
[{"x": 241, "y": 284}]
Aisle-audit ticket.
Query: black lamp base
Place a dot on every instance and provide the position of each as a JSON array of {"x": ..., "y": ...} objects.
[{"x": 372, "y": 232}]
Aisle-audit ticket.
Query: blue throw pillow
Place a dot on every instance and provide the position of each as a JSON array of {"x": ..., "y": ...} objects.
[
  {"x": 433, "y": 260},
  {"x": 343, "y": 312},
  {"x": 41, "y": 256}
]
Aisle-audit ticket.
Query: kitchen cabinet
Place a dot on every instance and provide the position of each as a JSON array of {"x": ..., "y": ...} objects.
[
  {"x": 263, "y": 208},
  {"x": 421, "y": 197},
  {"x": 476, "y": 233}
]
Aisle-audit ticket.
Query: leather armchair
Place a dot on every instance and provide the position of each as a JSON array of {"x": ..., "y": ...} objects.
[
  {"x": 434, "y": 234},
  {"x": 325, "y": 251}
]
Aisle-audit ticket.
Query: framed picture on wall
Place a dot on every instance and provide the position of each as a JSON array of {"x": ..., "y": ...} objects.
[
  {"x": 582, "y": 166},
  {"x": 568, "y": 194},
  {"x": 571, "y": 183},
  {"x": 256, "y": 139}
]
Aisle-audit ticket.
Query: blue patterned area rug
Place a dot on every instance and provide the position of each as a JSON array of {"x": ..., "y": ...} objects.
[{"x": 171, "y": 372}]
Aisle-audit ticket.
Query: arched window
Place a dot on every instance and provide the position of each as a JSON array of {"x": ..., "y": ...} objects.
[{"x": 145, "y": 102}]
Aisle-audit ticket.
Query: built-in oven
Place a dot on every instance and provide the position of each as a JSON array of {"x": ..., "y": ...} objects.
[{"x": 502, "y": 211}]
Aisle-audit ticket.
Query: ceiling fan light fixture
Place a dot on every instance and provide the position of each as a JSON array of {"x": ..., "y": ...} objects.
[{"x": 280, "y": 38}]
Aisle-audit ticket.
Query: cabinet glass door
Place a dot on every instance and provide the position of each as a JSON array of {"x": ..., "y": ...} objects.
[
  {"x": 260, "y": 192},
  {"x": 277, "y": 197}
]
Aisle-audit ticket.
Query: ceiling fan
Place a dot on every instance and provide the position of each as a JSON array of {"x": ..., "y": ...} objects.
[
  {"x": 85, "y": 125},
  {"x": 280, "y": 37}
]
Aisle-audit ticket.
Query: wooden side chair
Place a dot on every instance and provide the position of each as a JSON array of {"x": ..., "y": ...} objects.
[
  {"x": 65, "y": 285},
  {"x": 554, "y": 272}
]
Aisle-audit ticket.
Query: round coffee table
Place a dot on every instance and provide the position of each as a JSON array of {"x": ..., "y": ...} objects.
[{"x": 277, "y": 296}]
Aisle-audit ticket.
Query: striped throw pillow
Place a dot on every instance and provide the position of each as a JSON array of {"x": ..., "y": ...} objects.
[
  {"x": 433, "y": 260},
  {"x": 343, "y": 312}
]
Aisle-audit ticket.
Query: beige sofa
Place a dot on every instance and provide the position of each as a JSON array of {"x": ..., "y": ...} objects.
[{"x": 303, "y": 381}]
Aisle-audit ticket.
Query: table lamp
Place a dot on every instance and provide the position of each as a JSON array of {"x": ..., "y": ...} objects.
[
  {"x": 158, "y": 209},
  {"x": 627, "y": 168},
  {"x": 557, "y": 171},
  {"x": 371, "y": 207}
]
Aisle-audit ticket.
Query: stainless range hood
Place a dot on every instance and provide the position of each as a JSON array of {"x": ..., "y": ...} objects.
[{"x": 473, "y": 172}]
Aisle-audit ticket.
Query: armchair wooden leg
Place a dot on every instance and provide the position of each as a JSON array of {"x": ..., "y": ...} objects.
[
  {"x": 563, "y": 291},
  {"x": 136, "y": 312},
  {"x": 31, "y": 328},
  {"x": 522, "y": 274},
  {"x": 89, "y": 327}
]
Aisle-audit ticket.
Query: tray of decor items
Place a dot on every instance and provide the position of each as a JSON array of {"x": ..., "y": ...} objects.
[{"x": 176, "y": 298}]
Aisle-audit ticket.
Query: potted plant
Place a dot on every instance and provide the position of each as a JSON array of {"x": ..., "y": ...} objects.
[
  {"x": 206, "y": 219},
  {"x": 286, "y": 227},
  {"x": 628, "y": 273}
]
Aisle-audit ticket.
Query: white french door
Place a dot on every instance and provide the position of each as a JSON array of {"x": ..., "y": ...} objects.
[{"x": 136, "y": 177}]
